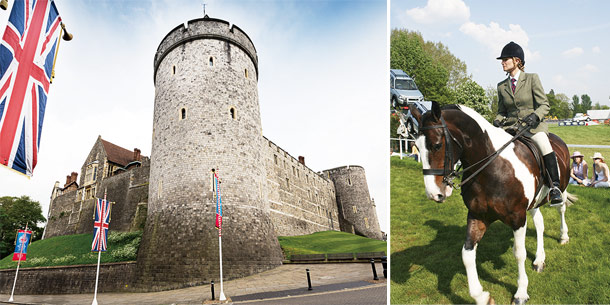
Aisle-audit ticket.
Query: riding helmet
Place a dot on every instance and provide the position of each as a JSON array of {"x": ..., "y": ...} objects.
[{"x": 512, "y": 50}]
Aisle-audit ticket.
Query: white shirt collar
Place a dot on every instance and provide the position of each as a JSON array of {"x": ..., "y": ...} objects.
[{"x": 516, "y": 76}]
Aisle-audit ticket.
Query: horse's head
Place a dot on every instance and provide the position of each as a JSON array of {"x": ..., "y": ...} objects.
[{"x": 437, "y": 152}]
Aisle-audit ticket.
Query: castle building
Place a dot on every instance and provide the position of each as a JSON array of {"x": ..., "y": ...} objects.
[{"x": 206, "y": 116}]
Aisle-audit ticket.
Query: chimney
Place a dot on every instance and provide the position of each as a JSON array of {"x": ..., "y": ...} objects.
[
  {"x": 68, "y": 178},
  {"x": 302, "y": 160},
  {"x": 73, "y": 177},
  {"x": 136, "y": 155}
]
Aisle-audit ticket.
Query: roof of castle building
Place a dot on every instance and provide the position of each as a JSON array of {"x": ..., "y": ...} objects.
[{"x": 117, "y": 154}]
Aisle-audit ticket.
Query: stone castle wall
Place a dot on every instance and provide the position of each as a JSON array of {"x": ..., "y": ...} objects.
[
  {"x": 69, "y": 214},
  {"x": 357, "y": 210},
  {"x": 301, "y": 201}
]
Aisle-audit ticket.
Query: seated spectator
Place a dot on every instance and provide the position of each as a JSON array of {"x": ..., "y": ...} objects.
[
  {"x": 600, "y": 171},
  {"x": 579, "y": 173}
]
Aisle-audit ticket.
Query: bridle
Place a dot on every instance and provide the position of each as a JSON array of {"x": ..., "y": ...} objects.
[{"x": 449, "y": 173}]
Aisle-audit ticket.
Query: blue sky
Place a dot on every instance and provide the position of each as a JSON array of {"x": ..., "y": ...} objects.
[
  {"x": 322, "y": 83},
  {"x": 566, "y": 41}
]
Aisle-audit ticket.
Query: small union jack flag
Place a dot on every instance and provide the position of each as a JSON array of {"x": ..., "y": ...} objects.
[
  {"x": 101, "y": 223},
  {"x": 27, "y": 53}
]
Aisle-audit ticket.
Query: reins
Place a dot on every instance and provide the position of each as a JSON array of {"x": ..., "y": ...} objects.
[{"x": 449, "y": 173}]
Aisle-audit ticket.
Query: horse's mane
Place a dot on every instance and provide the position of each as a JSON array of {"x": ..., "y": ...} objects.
[{"x": 494, "y": 132}]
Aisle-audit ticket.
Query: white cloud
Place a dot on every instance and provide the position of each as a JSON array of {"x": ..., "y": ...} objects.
[
  {"x": 494, "y": 37},
  {"x": 596, "y": 49},
  {"x": 573, "y": 52},
  {"x": 590, "y": 68},
  {"x": 441, "y": 11}
]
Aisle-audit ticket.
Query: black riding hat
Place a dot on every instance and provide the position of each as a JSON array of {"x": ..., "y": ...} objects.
[{"x": 512, "y": 50}]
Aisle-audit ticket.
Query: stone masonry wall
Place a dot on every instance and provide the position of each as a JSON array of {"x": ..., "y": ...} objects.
[
  {"x": 69, "y": 214},
  {"x": 114, "y": 277},
  {"x": 357, "y": 210},
  {"x": 301, "y": 201}
]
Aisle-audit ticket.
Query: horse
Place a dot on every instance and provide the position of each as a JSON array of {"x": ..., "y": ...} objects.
[{"x": 503, "y": 190}]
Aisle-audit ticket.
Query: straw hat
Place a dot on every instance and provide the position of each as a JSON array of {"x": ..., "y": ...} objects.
[
  {"x": 597, "y": 156},
  {"x": 576, "y": 154}
]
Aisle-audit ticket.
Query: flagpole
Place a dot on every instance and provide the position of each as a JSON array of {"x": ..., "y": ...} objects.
[
  {"x": 222, "y": 293},
  {"x": 216, "y": 191},
  {"x": 18, "y": 264},
  {"x": 99, "y": 256}
]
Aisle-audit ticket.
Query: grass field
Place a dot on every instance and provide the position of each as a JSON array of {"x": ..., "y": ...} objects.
[
  {"x": 589, "y": 135},
  {"x": 76, "y": 249},
  {"x": 427, "y": 238},
  {"x": 329, "y": 242}
]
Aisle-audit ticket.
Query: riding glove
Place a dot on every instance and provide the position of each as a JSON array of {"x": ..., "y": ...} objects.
[
  {"x": 532, "y": 120},
  {"x": 497, "y": 123}
]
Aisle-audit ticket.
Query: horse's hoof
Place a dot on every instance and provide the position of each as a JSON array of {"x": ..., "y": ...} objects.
[
  {"x": 565, "y": 241},
  {"x": 491, "y": 301},
  {"x": 539, "y": 268},
  {"x": 519, "y": 301}
]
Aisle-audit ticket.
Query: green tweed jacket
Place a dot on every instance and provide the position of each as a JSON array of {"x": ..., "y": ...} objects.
[{"x": 529, "y": 97}]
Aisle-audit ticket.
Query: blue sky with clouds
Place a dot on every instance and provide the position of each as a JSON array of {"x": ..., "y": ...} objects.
[
  {"x": 322, "y": 83},
  {"x": 566, "y": 41}
]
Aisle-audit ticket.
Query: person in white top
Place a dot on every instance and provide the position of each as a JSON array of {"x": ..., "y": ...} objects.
[{"x": 600, "y": 171}]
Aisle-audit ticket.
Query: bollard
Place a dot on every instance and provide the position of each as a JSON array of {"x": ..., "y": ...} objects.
[
  {"x": 308, "y": 280},
  {"x": 375, "y": 278},
  {"x": 213, "y": 298},
  {"x": 384, "y": 263}
]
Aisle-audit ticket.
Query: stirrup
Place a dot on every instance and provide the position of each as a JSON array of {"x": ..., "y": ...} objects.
[{"x": 555, "y": 203}]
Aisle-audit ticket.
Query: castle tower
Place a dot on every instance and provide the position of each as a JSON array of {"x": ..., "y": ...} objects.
[
  {"x": 206, "y": 116},
  {"x": 357, "y": 212}
]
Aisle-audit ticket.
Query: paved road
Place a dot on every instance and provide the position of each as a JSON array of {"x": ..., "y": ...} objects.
[{"x": 368, "y": 295}]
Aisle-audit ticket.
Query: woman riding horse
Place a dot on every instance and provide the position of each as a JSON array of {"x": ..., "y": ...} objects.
[{"x": 521, "y": 97}]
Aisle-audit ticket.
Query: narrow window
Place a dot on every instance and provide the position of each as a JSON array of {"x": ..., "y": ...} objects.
[
  {"x": 183, "y": 113},
  {"x": 246, "y": 72},
  {"x": 287, "y": 183},
  {"x": 275, "y": 159},
  {"x": 232, "y": 110},
  {"x": 349, "y": 181},
  {"x": 366, "y": 222},
  {"x": 211, "y": 61},
  {"x": 174, "y": 70},
  {"x": 355, "y": 210}
]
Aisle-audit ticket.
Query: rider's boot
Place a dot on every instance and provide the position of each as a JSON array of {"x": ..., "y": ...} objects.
[{"x": 550, "y": 161}]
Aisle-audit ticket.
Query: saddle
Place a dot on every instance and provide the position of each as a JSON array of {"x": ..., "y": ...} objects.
[{"x": 529, "y": 143}]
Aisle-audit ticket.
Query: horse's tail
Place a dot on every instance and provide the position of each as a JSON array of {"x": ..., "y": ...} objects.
[{"x": 570, "y": 199}]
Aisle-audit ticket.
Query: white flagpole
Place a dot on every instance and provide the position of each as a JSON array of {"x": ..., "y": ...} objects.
[
  {"x": 19, "y": 263},
  {"x": 99, "y": 256},
  {"x": 216, "y": 193}
]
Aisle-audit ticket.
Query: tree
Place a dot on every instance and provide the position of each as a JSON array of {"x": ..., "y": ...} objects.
[
  {"x": 559, "y": 103},
  {"x": 456, "y": 68},
  {"x": 597, "y": 106},
  {"x": 586, "y": 103},
  {"x": 14, "y": 214},
  {"x": 491, "y": 93},
  {"x": 576, "y": 106},
  {"x": 407, "y": 53},
  {"x": 470, "y": 94}
]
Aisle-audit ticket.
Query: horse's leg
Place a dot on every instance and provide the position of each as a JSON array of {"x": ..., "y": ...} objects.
[
  {"x": 564, "y": 227},
  {"x": 540, "y": 255},
  {"x": 521, "y": 295},
  {"x": 475, "y": 231}
]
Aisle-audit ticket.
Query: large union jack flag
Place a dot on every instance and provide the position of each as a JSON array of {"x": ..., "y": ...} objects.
[
  {"x": 26, "y": 62},
  {"x": 100, "y": 225}
]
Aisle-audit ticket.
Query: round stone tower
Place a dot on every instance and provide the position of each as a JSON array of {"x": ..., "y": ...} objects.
[
  {"x": 206, "y": 116},
  {"x": 357, "y": 213}
]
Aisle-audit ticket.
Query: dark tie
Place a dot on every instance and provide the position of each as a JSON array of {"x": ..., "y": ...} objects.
[{"x": 512, "y": 84}]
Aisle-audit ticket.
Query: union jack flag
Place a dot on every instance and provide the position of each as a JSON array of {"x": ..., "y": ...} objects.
[
  {"x": 100, "y": 225},
  {"x": 27, "y": 52}
]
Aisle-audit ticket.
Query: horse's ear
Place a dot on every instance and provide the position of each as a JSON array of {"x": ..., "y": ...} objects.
[
  {"x": 415, "y": 113},
  {"x": 436, "y": 110}
]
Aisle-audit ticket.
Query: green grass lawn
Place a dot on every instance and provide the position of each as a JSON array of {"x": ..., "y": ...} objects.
[
  {"x": 427, "y": 238},
  {"x": 590, "y": 135},
  {"x": 329, "y": 242},
  {"x": 76, "y": 249}
]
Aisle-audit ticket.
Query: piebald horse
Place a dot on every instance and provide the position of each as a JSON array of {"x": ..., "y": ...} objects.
[{"x": 503, "y": 190}]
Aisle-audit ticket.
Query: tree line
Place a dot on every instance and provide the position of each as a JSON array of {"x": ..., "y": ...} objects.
[{"x": 443, "y": 78}]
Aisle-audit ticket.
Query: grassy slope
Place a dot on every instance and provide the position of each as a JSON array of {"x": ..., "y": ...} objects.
[
  {"x": 427, "y": 237},
  {"x": 330, "y": 242},
  {"x": 76, "y": 249}
]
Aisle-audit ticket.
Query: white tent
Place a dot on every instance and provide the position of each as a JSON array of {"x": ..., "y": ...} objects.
[{"x": 599, "y": 114}]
